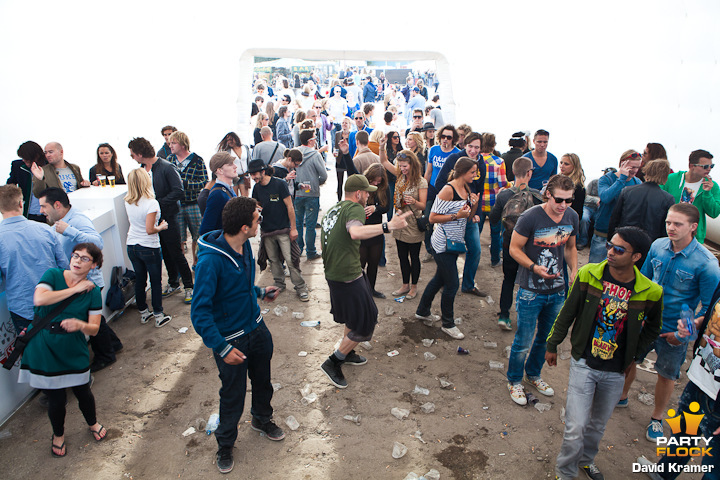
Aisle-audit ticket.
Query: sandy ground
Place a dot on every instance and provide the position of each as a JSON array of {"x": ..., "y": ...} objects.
[{"x": 164, "y": 381}]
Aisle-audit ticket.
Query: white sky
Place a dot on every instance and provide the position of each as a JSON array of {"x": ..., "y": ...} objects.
[{"x": 602, "y": 77}]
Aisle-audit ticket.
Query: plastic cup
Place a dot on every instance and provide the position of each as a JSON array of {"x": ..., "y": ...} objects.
[
  {"x": 101, "y": 179},
  {"x": 111, "y": 180}
]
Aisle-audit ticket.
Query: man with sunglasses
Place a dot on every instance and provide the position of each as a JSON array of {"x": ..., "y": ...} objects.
[
  {"x": 688, "y": 273},
  {"x": 609, "y": 187},
  {"x": 615, "y": 313},
  {"x": 360, "y": 126},
  {"x": 542, "y": 240},
  {"x": 417, "y": 122},
  {"x": 697, "y": 187}
]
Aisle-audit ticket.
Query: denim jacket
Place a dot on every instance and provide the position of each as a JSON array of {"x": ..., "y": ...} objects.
[{"x": 689, "y": 276}]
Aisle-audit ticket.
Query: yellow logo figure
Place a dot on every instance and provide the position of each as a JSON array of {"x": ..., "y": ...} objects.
[{"x": 692, "y": 421}]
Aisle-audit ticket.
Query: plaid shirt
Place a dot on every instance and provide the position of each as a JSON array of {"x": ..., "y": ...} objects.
[
  {"x": 194, "y": 176},
  {"x": 495, "y": 180}
]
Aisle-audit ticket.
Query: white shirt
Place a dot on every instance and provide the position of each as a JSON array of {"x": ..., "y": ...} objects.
[{"x": 137, "y": 214}]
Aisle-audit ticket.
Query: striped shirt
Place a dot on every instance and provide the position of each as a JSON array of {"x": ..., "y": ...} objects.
[
  {"x": 454, "y": 230},
  {"x": 495, "y": 180}
]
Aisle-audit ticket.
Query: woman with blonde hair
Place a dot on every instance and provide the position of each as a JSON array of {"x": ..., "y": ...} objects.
[
  {"x": 262, "y": 121},
  {"x": 273, "y": 118},
  {"x": 415, "y": 142},
  {"x": 143, "y": 244},
  {"x": 371, "y": 249},
  {"x": 570, "y": 167}
]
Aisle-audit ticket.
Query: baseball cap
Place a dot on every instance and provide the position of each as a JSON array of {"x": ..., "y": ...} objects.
[{"x": 358, "y": 182}]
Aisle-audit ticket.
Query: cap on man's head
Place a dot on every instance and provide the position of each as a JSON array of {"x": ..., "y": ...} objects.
[
  {"x": 256, "y": 165},
  {"x": 415, "y": 89},
  {"x": 428, "y": 126},
  {"x": 219, "y": 160},
  {"x": 358, "y": 182}
]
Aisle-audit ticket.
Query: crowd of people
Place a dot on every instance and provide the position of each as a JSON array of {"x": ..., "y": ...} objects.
[{"x": 401, "y": 170}]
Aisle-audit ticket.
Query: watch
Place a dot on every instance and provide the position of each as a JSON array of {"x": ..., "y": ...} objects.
[{"x": 385, "y": 227}]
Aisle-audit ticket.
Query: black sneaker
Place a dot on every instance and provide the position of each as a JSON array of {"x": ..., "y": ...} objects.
[
  {"x": 334, "y": 373},
  {"x": 353, "y": 358},
  {"x": 96, "y": 366},
  {"x": 272, "y": 431},
  {"x": 224, "y": 460},
  {"x": 593, "y": 472}
]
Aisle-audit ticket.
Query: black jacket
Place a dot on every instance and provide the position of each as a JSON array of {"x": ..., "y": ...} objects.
[
  {"x": 21, "y": 176},
  {"x": 645, "y": 206},
  {"x": 168, "y": 189}
]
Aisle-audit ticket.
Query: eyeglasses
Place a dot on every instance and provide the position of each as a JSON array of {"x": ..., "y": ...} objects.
[
  {"x": 616, "y": 248},
  {"x": 76, "y": 256},
  {"x": 446, "y": 137},
  {"x": 704, "y": 167},
  {"x": 319, "y": 108},
  {"x": 561, "y": 200}
]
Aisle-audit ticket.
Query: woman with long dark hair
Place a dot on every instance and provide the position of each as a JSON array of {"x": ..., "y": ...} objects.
[
  {"x": 106, "y": 165},
  {"x": 377, "y": 204},
  {"x": 451, "y": 210},
  {"x": 231, "y": 143}
]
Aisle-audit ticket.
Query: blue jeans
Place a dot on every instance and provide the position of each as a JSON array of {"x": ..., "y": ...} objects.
[
  {"x": 147, "y": 261},
  {"x": 307, "y": 210},
  {"x": 598, "y": 252},
  {"x": 258, "y": 348},
  {"x": 710, "y": 422},
  {"x": 591, "y": 398},
  {"x": 446, "y": 277},
  {"x": 587, "y": 217},
  {"x": 495, "y": 237},
  {"x": 533, "y": 309},
  {"x": 472, "y": 257}
]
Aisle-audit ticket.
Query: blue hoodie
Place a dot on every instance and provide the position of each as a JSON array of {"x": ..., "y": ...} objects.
[{"x": 225, "y": 298}]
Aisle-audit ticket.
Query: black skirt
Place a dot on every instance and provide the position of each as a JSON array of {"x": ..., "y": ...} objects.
[{"x": 352, "y": 304}]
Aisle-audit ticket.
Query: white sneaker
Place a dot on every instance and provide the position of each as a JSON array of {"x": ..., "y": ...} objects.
[
  {"x": 161, "y": 320},
  {"x": 428, "y": 319},
  {"x": 454, "y": 332},
  {"x": 517, "y": 393},
  {"x": 145, "y": 315},
  {"x": 541, "y": 386}
]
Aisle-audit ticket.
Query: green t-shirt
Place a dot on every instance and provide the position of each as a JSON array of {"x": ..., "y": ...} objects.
[{"x": 341, "y": 254}]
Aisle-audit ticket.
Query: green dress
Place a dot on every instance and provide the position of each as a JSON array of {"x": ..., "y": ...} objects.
[{"x": 54, "y": 361}]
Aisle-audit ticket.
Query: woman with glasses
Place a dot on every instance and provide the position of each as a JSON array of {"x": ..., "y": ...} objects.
[
  {"x": 143, "y": 244},
  {"x": 570, "y": 167},
  {"x": 450, "y": 211},
  {"x": 57, "y": 357},
  {"x": 378, "y": 203}
]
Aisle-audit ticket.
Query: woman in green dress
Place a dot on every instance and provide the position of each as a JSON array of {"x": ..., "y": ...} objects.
[{"x": 58, "y": 357}]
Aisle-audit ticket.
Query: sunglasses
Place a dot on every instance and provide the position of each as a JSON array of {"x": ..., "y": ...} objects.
[
  {"x": 633, "y": 156},
  {"x": 616, "y": 248},
  {"x": 416, "y": 116},
  {"x": 561, "y": 200},
  {"x": 446, "y": 137},
  {"x": 704, "y": 167},
  {"x": 359, "y": 118}
]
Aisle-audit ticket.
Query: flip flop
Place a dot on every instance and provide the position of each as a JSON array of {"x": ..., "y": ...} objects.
[
  {"x": 60, "y": 448},
  {"x": 100, "y": 432}
]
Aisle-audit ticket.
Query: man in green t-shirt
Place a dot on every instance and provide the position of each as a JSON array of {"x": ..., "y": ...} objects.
[{"x": 351, "y": 300}]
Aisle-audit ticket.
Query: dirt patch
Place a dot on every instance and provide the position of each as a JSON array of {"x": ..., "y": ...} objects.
[
  {"x": 416, "y": 331},
  {"x": 465, "y": 464},
  {"x": 149, "y": 343}
]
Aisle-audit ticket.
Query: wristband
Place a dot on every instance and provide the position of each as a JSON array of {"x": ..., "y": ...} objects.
[
  {"x": 532, "y": 266},
  {"x": 385, "y": 227},
  {"x": 262, "y": 294},
  {"x": 453, "y": 217}
]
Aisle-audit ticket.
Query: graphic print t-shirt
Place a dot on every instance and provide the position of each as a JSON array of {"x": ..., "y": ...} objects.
[
  {"x": 545, "y": 246},
  {"x": 705, "y": 366},
  {"x": 605, "y": 349},
  {"x": 67, "y": 179},
  {"x": 690, "y": 191}
]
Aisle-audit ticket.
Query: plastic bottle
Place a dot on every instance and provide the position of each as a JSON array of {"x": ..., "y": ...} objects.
[
  {"x": 689, "y": 318},
  {"x": 212, "y": 423}
]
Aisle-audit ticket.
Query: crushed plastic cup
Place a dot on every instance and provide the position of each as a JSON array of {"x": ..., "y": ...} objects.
[
  {"x": 400, "y": 299},
  {"x": 298, "y": 315},
  {"x": 200, "y": 424},
  {"x": 411, "y": 476},
  {"x": 496, "y": 365},
  {"x": 489, "y": 300},
  {"x": 276, "y": 386},
  {"x": 427, "y": 342},
  {"x": 280, "y": 310},
  {"x": 305, "y": 391},
  {"x": 507, "y": 351},
  {"x": 310, "y": 323},
  {"x": 542, "y": 407},
  {"x": 353, "y": 418},
  {"x": 421, "y": 391},
  {"x": 429, "y": 356},
  {"x": 462, "y": 351},
  {"x": 308, "y": 399},
  {"x": 490, "y": 344},
  {"x": 189, "y": 432},
  {"x": 647, "y": 398},
  {"x": 458, "y": 321},
  {"x": 428, "y": 407},
  {"x": 444, "y": 383},
  {"x": 366, "y": 345},
  {"x": 389, "y": 310},
  {"x": 264, "y": 311},
  {"x": 393, "y": 353},
  {"x": 418, "y": 435},
  {"x": 400, "y": 413},
  {"x": 302, "y": 353},
  {"x": 399, "y": 450},
  {"x": 183, "y": 330},
  {"x": 292, "y": 423},
  {"x": 432, "y": 475}
]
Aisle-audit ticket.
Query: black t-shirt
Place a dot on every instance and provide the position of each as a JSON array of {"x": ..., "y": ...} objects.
[
  {"x": 271, "y": 198},
  {"x": 605, "y": 349}
]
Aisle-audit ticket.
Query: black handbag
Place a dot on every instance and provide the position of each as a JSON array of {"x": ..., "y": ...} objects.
[
  {"x": 423, "y": 223},
  {"x": 22, "y": 340}
]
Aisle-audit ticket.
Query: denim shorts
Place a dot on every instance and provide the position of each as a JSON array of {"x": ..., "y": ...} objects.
[{"x": 669, "y": 358}]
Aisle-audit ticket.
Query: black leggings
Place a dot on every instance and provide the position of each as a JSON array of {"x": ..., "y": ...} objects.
[
  {"x": 340, "y": 175},
  {"x": 409, "y": 254},
  {"x": 56, "y": 406},
  {"x": 370, "y": 256}
]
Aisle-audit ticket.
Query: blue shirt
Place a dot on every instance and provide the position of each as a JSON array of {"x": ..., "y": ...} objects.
[
  {"x": 609, "y": 188},
  {"x": 436, "y": 157},
  {"x": 689, "y": 276},
  {"x": 28, "y": 249},
  {"x": 80, "y": 229},
  {"x": 542, "y": 174},
  {"x": 352, "y": 144}
]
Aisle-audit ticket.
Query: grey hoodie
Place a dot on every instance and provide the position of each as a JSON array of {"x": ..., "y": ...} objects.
[{"x": 311, "y": 171}]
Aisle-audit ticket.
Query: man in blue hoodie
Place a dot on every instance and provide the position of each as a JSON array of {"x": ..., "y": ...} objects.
[{"x": 225, "y": 313}]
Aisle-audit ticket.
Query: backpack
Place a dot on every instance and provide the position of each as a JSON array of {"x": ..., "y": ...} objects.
[{"x": 516, "y": 205}]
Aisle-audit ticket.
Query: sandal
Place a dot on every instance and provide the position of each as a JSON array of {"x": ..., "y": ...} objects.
[
  {"x": 410, "y": 297},
  {"x": 400, "y": 293},
  {"x": 99, "y": 434},
  {"x": 59, "y": 448}
]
